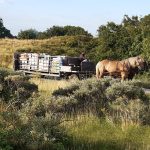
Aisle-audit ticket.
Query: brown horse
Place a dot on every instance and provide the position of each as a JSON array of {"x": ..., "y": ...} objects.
[
  {"x": 112, "y": 67},
  {"x": 124, "y": 68}
]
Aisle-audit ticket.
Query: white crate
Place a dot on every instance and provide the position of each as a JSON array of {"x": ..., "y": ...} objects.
[
  {"x": 43, "y": 69},
  {"x": 43, "y": 66},
  {"x": 29, "y": 54},
  {"x": 33, "y": 63},
  {"x": 23, "y": 66},
  {"x": 33, "y": 67},
  {"x": 28, "y": 67},
  {"x": 35, "y": 55},
  {"x": 23, "y": 61}
]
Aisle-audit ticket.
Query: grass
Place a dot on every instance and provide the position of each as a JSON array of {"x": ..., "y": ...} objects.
[
  {"x": 9, "y": 46},
  {"x": 53, "y": 46},
  {"x": 48, "y": 85},
  {"x": 89, "y": 132}
]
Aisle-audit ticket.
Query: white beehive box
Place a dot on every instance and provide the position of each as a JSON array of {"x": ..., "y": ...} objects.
[
  {"x": 44, "y": 63},
  {"x": 56, "y": 63},
  {"x": 33, "y": 61}
]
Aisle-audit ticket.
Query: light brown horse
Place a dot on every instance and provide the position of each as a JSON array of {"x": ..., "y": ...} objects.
[
  {"x": 112, "y": 67},
  {"x": 122, "y": 68}
]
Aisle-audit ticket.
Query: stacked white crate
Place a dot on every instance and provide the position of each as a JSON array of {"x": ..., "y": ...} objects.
[
  {"x": 23, "y": 61},
  {"x": 56, "y": 64},
  {"x": 33, "y": 61},
  {"x": 44, "y": 63}
]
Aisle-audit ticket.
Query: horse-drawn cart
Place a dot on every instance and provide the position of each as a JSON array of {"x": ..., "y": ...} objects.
[{"x": 53, "y": 66}]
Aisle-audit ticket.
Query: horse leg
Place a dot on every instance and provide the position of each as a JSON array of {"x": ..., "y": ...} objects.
[
  {"x": 101, "y": 74},
  {"x": 97, "y": 74},
  {"x": 97, "y": 71},
  {"x": 123, "y": 76}
]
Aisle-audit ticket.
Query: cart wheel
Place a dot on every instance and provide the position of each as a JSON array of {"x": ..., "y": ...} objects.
[{"x": 73, "y": 77}]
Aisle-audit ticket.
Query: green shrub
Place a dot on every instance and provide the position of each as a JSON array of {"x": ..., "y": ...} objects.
[
  {"x": 144, "y": 78},
  {"x": 4, "y": 143},
  {"x": 107, "y": 97},
  {"x": 27, "y": 130},
  {"x": 38, "y": 123},
  {"x": 87, "y": 95},
  {"x": 17, "y": 89}
]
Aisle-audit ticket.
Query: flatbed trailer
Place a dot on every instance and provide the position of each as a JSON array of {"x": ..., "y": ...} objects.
[{"x": 53, "y": 66}]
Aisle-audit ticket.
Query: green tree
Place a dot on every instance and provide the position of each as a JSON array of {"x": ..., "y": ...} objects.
[
  {"x": 146, "y": 48},
  {"x": 28, "y": 34},
  {"x": 72, "y": 30},
  {"x": 66, "y": 30},
  {"x": 113, "y": 41},
  {"x": 55, "y": 31},
  {"x": 42, "y": 35},
  {"x": 3, "y": 31},
  {"x": 145, "y": 26},
  {"x": 119, "y": 41}
]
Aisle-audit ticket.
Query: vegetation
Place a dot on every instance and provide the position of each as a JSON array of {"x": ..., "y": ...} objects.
[
  {"x": 28, "y": 34},
  {"x": 118, "y": 41},
  {"x": 53, "y": 31},
  {"x": 86, "y": 114},
  {"x": 114, "y": 41},
  {"x": 3, "y": 31},
  {"x": 63, "y": 45}
]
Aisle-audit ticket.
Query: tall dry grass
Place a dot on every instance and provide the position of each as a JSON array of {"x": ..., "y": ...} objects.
[
  {"x": 9, "y": 46},
  {"x": 48, "y": 85},
  {"x": 89, "y": 132}
]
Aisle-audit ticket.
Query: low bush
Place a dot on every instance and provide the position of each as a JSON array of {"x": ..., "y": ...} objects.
[
  {"x": 15, "y": 88},
  {"x": 38, "y": 124},
  {"x": 4, "y": 143},
  {"x": 127, "y": 103},
  {"x": 110, "y": 98},
  {"x": 144, "y": 78}
]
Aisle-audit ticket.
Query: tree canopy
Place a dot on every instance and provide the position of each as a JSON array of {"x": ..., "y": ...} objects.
[
  {"x": 119, "y": 41},
  {"x": 28, "y": 34},
  {"x": 53, "y": 31},
  {"x": 3, "y": 31}
]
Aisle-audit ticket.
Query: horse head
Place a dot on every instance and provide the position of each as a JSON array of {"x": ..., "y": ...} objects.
[
  {"x": 139, "y": 62},
  {"x": 135, "y": 62}
]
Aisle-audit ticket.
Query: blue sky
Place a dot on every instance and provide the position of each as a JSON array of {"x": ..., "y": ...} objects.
[{"x": 89, "y": 14}]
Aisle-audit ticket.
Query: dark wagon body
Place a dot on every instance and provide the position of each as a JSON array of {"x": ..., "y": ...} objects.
[{"x": 53, "y": 66}]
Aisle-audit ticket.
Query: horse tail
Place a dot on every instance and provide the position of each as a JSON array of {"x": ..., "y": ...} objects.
[{"x": 97, "y": 70}]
